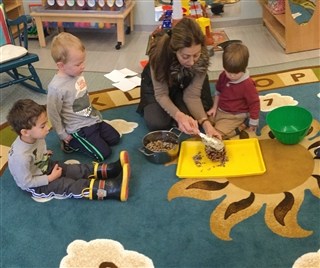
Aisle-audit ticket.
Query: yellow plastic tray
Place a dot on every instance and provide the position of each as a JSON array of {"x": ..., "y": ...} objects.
[{"x": 244, "y": 159}]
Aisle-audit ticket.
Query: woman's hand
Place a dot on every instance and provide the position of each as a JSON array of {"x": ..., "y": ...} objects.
[
  {"x": 187, "y": 124},
  {"x": 210, "y": 130}
]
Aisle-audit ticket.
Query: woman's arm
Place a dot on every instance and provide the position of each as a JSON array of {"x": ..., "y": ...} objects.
[
  {"x": 186, "y": 123},
  {"x": 192, "y": 97},
  {"x": 161, "y": 94}
]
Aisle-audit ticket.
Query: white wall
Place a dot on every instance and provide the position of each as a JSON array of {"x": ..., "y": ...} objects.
[{"x": 144, "y": 12}]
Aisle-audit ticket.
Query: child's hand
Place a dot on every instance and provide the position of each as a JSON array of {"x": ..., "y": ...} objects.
[
  {"x": 55, "y": 173},
  {"x": 49, "y": 152},
  {"x": 212, "y": 112},
  {"x": 68, "y": 139}
]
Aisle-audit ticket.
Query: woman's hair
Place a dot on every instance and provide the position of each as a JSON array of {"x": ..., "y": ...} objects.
[
  {"x": 235, "y": 58},
  {"x": 62, "y": 44},
  {"x": 185, "y": 33},
  {"x": 24, "y": 114}
]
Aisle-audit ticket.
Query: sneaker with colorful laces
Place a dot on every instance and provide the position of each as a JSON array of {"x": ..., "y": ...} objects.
[{"x": 66, "y": 148}]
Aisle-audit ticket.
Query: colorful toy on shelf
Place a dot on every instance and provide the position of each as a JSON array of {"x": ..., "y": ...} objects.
[
  {"x": 80, "y": 3},
  {"x": 205, "y": 25},
  {"x": 185, "y": 7},
  {"x": 177, "y": 11},
  {"x": 167, "y": 21},
  {"x": 71, "y": 3},
  {"x": 196, "y": 10}
]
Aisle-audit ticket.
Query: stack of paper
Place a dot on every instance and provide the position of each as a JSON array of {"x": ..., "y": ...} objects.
[{"x": 124, "y": 79}]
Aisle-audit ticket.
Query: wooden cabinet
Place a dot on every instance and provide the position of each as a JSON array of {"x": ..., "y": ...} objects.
[
  {"x": 14, "y": 9},
  {"x": 293, "y": 37},
  {"x": 66, "y": 14}
]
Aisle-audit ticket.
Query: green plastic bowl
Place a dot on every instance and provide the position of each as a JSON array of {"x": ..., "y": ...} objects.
[{"x": 289, "y": 124}]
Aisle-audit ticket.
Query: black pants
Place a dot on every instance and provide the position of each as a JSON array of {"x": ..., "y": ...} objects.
[
  {"x": 95, "y": 140},
  {"x": 74, "y": 179}
]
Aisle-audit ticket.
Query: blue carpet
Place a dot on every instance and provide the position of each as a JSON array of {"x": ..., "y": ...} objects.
[{"x": 172, "y": 233}]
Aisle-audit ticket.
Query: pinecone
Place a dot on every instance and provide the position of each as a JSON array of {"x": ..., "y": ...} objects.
[{"x": 216, "y": 155}]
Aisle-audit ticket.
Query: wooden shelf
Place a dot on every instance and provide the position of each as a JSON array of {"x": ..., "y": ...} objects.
[
  {"x": 277, "y": 32},
  {"x": 290, "y": 35},
  {"x": 119, "y": 18},
  {"x": 14, "y": 9},
  {"x": 279, "y": 17},
  {"x": 11, "y": 6}
]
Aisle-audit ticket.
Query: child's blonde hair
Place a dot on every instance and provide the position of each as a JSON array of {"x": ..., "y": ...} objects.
[{"x": 62, "y": 44}]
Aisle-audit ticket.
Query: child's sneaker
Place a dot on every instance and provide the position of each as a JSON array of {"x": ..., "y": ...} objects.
[
  {"x": 66, "y": 148},
  {"x": 244, "y": 135}
]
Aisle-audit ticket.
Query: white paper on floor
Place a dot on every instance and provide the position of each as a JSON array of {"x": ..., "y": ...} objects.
[
  {"x": 127, "y": 84},
  {"x": 124, "y": 79}
]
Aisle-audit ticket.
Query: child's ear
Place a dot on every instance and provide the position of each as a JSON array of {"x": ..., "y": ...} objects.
[
  {"x": 24, "y": 132},
  {"x": 60, "y": 64}
]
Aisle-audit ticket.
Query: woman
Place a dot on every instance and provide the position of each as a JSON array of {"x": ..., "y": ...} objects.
[{"x": 175, "y": 87}]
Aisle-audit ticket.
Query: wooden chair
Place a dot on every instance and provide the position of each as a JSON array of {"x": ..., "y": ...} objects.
[{"x": 14, "y": 54}]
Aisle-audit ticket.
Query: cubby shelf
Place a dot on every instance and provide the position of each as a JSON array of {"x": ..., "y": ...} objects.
[
  {"x": 290, "y": 35},
  {"x": 14, "y": 9}
]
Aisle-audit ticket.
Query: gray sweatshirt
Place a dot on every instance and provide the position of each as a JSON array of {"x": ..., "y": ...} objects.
[
  {"x": 68, "y": 105},
  {"x": 28, "y": 163}
]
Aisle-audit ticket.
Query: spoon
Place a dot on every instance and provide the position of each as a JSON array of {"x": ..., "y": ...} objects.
[{"x": 212, "y": 142}]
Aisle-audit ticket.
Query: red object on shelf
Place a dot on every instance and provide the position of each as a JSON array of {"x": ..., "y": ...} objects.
[{"x": 166, "y": 7}]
